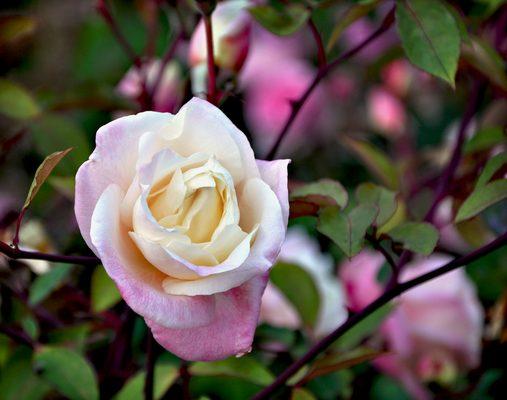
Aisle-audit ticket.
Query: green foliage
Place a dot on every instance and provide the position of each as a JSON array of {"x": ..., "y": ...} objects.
[
  {"x": 16, "y": 102},
  {"x": 44, "y": 284},
  {"x": 326, "y": 188},
  {"x": 385, "y": 388},
  {"x": 18, "y": 380},
  {"x": 430, "y": 36},
  {"x": 282, "y": 21},
  {"x": 164, "y": 377},
  {"x": 347, "y": 229},
  {"x": 299, "y": 288},
  {"x": 302, "y": 394},
  {"x": 67, "y": 371},
  {"x": 419, "y": 237},
  {"x": 246, "y": 368},
  {"x": 382, "y": 198},
  {"x": 482, "y": 198},
  {"x": 485, "y": 139},
  {"x": 104, "y": 293}
]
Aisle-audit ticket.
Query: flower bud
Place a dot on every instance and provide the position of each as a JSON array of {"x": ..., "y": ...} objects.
[{"x": 231, "y": 25}]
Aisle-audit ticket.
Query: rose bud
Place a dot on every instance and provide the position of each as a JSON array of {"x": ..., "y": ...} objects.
[
  {"x": 386, "y": 112},
  {"x": 302, "y": 250},
  {"x": 169, "y": 91},
  {"x": 435, "y": 330},
  {"x": 231, "y": 25},
  {"x": 187, "y": 223}
]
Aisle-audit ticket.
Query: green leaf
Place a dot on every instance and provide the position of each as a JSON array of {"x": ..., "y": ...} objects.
[
  {"x": 104, "y": 293},
  {"x": 419, "y": 237},
  {"x": 302, "y": 394},
  {"x": 44, "y": 284},
  {"x": 246, "y": 368},
  {"x": 164, "y": 377},
  {"x": 363, "y": 329},
  {"x": 326, "y": 188},
  {"x": 485, "y": 139},
  {"x": 482, "y": 198},
  {"x": 352, "y": 14},
  {"x": 15, "y": 28},
  {"x": 384, "y": 199},
  {"x": 42, "y": 173},
  {"x": 51, "y": 133},
  {"x": 74, "y": 336},
  {"x": 68, "y": 372},
  {"x": 347, "y": 230},
  {"x": 492, "y": 166},
  {"x": 18, "y": 381},
  {"x": 16, "y": 102},
  {"x": 430, "y": 36},
  {"x": 284, "y": 21},
  {"x": 480, "y": 55},
  {"x": 375, "y": 160},
  {"x": 299, "y": 288}
]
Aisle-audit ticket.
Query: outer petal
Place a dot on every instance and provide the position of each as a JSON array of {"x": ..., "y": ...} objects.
[
  {"x": 138, "y": 281},
  {"x": 230, "y": 333},
  {"x": 113, "y": 161},
  {"x": 274, "y": 173}
]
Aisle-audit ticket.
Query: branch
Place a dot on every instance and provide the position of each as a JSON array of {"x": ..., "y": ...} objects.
[
  {"x": 18, "y": 336},
  {"x": 377, "y": 246},
  {"x": 321, "y": 52},
  {"x": 387, "y": 296},
  {"x": 448, "y": 174},
  {"x": 321, "y": 73},
  {"x": 18, "y": 254},
  {"x": 212, "y": 85},
  {"x": 185, "y": 380},
  {"x": 150, "y": 366}
]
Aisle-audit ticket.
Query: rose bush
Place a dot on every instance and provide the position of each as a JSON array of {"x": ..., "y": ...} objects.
[{"x": 187, "y": 223}]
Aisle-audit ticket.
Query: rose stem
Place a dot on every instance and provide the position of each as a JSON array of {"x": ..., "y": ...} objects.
[
  {"x": 321, "y": 73},
  {"x": 210, "y": 59}
]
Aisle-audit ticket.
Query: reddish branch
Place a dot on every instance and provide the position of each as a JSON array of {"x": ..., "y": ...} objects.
[
  {"x": 212, "y": 97},
  {"x": 322, "y": 73},
  {"x": 385, "y": 298}
]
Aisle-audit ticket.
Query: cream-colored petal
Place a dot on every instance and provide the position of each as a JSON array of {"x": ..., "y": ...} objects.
[{"x": 170, "y": 199}]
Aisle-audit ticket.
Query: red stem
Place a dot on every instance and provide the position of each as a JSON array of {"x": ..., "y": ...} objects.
[
  {"x": 385, "y": 298},
  {"x": 321, "y": 52},
  {"x": 321, "y": 73},
  {"x": 210, "y": 60}
]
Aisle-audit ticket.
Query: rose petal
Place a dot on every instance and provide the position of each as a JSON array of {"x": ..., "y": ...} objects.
[
  {"x": 230, "y": 333},
  {"x": 112, "y": 161},
  {"x": 274, "y": 173},
  {"x": 138, "y": 281}
]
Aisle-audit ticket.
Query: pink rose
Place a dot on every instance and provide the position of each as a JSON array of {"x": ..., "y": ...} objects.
[
  {"x": 231, "y": 23},
  {"x": 302, "y": 250},
  {"x": 397, "y": 76},
  {"x": 169, "y": 93},
  {"x": 435, "y": 329},
  {"x": 386, "y": 112},
  {"x": 187, "y": 223}
]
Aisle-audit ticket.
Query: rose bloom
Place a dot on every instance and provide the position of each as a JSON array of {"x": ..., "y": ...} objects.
[
  {"x": 231, "y": 24},
  {"x": 386, "y": 112},
  {"x": 187, "y": 223},
  {"x": 169, "y": 94},
  {"x": 435, "y": 330},
  {"x": 302, "y": 250}
]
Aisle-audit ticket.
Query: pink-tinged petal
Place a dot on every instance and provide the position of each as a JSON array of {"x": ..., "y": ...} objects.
[
  {"x": 230, "y": 333},
  {"x": 113, "y": 161},
  {"x": 277, "y": 311},
  {"x": 274, "y": 173},
  {"x": 138, "y": 281},
  {"x": 205, "y": 128}
]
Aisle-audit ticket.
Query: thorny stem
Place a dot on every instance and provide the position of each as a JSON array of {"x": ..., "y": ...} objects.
[
  {"x": 321, "y": 52},
  {"x": 322, "y": 73},
  {"x": 210, "y": 59},
  {"x": 386, "y": 297},
  {"x": 18, "y": 254}
]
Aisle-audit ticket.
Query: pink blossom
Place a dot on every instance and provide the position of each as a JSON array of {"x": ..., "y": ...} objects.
[
  {"x": 169, "y": 93},
  {"x": 397, "y": 76},
  {"x": 386, "y": 112}
]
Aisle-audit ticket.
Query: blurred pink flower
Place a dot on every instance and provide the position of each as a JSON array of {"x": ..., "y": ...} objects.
[
  {"x": 231, "y": 24},
  {"x": 169, "y": 94},
  {"x": 435, "y": 329},
  {"x": 386, "y": 112},
  {"x": 397, "y": 76},
  {"x": 304, "y": 251},
  {"x": 274, "y": 76}
]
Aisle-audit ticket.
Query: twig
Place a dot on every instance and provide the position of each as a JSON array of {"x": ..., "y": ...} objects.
[
  {"x": 185, "y": 380},
  {"x": 321, "y": 73},
  {"x": 212, "y": 85},
  {"x": 18, "y": 254},
  {"x": 150, "y": 366},
  {"x": 377, "y": 246},
  {"x": 448, "y": 174},
  {"x": 386, "y": 297},
  {"x": 321, "y": 52},
  {"x": 19, "y": 336}
]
